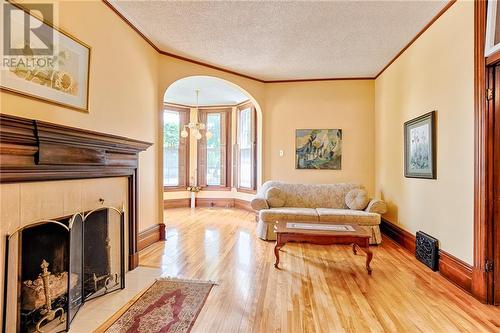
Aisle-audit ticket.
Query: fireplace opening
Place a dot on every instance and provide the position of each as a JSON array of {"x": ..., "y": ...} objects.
[
  {"x": 98, "y": 255},
  {"x": 62, "y": 264},
  {"x": 44, "y": 248}
]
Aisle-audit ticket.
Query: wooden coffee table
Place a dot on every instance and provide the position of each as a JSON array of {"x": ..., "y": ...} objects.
[{"x": 323, "y": 234}]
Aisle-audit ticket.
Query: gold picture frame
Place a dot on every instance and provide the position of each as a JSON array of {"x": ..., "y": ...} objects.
[{"x": 67, "y": 86}]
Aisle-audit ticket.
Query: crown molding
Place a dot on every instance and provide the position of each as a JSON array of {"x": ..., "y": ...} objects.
[
  {"x": 172, "y": 55},
  {"x": 130, "y": 24},
  {"x": 321, "y": 79},
  {"x": 214, "y": 106},
  {"x": 243, "y": 103},
  {"x": 427, "y": 26},
  {"x": 204, "y": 64},
  {"x": 200, "y": 63},
  {"x": 110, "y": 6}
]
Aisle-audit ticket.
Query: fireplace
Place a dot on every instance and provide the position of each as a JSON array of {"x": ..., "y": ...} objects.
[
  {"x": 62, "y": 264},
  {"x": 101, "y": 273},
  {"x": 48, "y": 171},
  {"x": 44, "y": 247}
]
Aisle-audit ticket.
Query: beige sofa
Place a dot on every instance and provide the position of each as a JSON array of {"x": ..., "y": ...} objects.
[{"x": 316, "y": 204}]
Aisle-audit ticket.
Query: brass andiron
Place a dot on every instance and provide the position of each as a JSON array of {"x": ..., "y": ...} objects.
[
  {"x": 109, "y": 279},
  {"x": 47, "y": 312}
]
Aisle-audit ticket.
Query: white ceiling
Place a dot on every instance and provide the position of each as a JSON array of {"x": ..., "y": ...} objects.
[
  {"x": 213, "y": 91},
  {"x": 282, "y": 40}
]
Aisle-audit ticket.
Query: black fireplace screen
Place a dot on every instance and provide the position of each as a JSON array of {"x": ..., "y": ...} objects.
[{"x": 61, "y": 264}]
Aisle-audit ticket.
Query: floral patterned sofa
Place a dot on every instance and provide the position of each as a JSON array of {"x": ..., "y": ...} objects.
[{"x": 316, "y": 204}]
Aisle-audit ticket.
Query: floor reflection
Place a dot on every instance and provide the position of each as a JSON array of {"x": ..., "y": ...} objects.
[
  {"x": 211, "y": 244},
  {"x": 244, "y": 248}
]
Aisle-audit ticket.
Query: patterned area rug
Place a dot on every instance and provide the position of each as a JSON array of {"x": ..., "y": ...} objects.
[{"x": 168, "y": 306}]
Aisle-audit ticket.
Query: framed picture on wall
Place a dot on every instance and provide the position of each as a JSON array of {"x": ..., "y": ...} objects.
[
  {"x": 318, "y": 149},
  {"x": 55, "y": 69},
  {"x": 420, "y": 147}
]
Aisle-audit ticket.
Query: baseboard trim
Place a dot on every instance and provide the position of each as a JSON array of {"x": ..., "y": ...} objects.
[
  {"x": 399, "y": 235},
  {"x": 150, "y": 236},
  {"x": 450, "y": 267},
  {"x": 209, "y": 202},
  {"x": 243, "y": 204},
  {"x": 176, "y": 203},
  {"x": 215, "y": 202},
  {"x": 455, "y": 270}
]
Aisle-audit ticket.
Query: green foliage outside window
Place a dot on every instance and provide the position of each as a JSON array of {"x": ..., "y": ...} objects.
[{"x": 171, "y": 134}]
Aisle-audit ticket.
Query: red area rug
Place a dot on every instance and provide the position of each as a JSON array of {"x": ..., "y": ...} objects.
[{"x": 168, "y": 306}]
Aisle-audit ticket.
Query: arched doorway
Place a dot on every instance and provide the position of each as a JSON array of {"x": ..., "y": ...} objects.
[{"x": 212, "y": 140}]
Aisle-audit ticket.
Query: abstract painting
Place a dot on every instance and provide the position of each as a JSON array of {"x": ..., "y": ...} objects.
[
  {"x": 420, "y": 147},
  {"x": 318, "y": 149}
]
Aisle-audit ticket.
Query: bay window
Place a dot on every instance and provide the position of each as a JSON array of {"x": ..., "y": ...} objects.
[
  {"x": 221, "y": 162},
  {"x": 175, "y": 148},
  {"x": 214, "y": 158},
  {"x": 246, "y": 148}
]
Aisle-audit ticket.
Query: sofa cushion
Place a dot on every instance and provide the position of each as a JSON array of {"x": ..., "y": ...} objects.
[
  {"x": 259, "y": 204},
  {"x": 376, "y": 206},
  {"x": 357, "y": 199},
  {"x": 311, "y": 195},
  {"x": 289, "y": 214},
  {"x": 347, "y": 216},
  {"x": 275, "y": 197}
]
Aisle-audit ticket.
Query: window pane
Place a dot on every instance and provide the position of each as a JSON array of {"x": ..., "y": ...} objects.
[
  {"x": 214, "y": 156},
  {"x": 245, "y": 143},
  {"x": 171, "y": 131}
]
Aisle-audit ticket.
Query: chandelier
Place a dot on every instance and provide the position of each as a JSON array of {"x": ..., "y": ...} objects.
[{"x": 197, "y": 127}]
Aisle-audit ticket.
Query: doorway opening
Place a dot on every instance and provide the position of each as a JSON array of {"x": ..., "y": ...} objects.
[{"x": 212, "y": 144}]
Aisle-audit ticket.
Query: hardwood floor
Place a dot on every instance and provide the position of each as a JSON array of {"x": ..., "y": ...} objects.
[{"x": 317, "y": 289}]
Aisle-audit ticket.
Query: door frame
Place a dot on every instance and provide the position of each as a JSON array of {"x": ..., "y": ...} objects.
[
  {"x": 494, "y": 104},
  {"x": 484, "y": 214}
]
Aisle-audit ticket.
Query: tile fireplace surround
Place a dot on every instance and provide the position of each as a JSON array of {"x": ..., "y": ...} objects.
[{"x": 49, "y": 171}]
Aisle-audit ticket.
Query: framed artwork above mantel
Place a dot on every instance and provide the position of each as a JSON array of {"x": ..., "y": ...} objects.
[{"x": 55, "y": 70}]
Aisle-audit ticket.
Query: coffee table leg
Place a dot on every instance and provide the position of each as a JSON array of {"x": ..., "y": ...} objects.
[
  {"x": 369, "y": 255},
  {"x": 277, "y": 248}
]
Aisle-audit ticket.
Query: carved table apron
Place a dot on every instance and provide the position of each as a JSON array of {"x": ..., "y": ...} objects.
[{"x": 358, "y": 239}]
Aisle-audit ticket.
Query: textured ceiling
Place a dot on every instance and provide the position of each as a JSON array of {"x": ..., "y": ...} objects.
[
  {"x": 212, "y": 92},
  {"x": 281, "y": 40}
]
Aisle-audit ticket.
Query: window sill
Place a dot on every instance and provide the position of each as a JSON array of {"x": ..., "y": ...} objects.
[
  {"x": 174, "y": 188},
  {"x": 215, "y": 188},
  {"x": 246, "y": 190}
]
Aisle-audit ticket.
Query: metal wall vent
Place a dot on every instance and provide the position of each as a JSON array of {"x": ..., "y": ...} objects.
[{"x": 427, "y": 250}]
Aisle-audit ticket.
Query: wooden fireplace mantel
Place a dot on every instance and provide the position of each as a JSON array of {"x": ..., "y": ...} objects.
[{"x": 34, "y": 150}]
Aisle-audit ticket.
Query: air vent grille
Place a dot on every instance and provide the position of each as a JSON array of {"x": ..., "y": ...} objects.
[{"x": 427, "y": 250}]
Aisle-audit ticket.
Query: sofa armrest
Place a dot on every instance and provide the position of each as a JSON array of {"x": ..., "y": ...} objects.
[
  {"x": 259, "y": 204},
  {"x": 376, "y": 206}
]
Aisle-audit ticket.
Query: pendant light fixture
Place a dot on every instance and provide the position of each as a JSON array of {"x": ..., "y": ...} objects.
[{"x": 197, "y": 127}]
